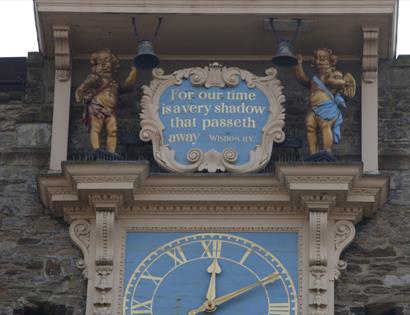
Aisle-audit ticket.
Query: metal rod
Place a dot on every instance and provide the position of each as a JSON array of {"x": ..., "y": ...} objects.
[
  {"x": 135, "y": 28},
  {"x": 299, "y": 23},
  {"x": 157, "y": 29},
  {"x": 155, "y": 33},
  {"x": 272, "y": 22}
]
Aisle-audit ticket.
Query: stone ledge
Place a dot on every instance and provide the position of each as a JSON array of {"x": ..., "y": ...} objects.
[{"x": 68, "y": 194}]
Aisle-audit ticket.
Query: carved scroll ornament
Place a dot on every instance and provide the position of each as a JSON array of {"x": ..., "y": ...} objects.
[
  {"x": 62, "y": 52},
  {"x": 80, "y": 233},
  {"x": 370, "y": 54},
  {"x": 344, "y": 235},
  {"x": 152, "y": 128}
]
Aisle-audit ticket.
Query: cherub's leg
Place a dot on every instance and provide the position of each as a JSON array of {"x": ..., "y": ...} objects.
[
  {"x": 96, "y": 127},
  {"x": 111, "y": 133},
  {"x": 311, "y": 131},
  {"x": 327, "y": 133}
]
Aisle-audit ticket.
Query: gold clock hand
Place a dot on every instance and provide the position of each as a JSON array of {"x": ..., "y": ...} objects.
[
  {"x": 200, "y": 309},
  {"x": 213, "y": 269},
  {"x": 227, "y": 297}
]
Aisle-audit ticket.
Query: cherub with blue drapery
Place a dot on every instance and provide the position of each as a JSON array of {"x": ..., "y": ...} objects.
[{"x": 327, "y": 88}]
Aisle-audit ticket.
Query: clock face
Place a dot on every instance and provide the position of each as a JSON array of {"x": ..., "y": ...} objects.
[{"x": 220, "y": 273}]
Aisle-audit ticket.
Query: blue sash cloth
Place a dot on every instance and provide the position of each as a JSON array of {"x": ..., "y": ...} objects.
[{"x": 329, "y": 109}]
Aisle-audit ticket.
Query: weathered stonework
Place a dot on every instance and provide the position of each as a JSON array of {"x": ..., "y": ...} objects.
[
  {"x": 379, "y": 258},
  {"x": 37, "y": 258}
]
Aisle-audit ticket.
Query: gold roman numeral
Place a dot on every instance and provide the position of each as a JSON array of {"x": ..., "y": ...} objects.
[
  {"x": 141, "y": 307},
  {"x": 245, "y": 256},
  {"x": 212, "y": 249},
  {"x": 279, "y": 309},
  {"x": 148, "y": 276},
  {"x": 177, "y": 255}
]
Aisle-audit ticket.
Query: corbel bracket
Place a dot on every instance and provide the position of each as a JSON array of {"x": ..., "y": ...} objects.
[
  {"x": 80, "y": 233},
  {"x": 343, "y": 236},
  {"x": 370, "y": 53},
  {"x": 106, "y": 207},
  {"x": 318, "y": 206},
  {"x": 62, "y": 52}
]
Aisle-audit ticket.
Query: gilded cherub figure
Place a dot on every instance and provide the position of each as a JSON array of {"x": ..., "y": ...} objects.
[
  {"x": 326, "y": 89},
  {"x": 99, "y": 93}
]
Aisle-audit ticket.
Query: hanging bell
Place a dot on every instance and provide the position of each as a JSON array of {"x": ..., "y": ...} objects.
[
  {"x": 146, "y": 57},
  {"x": 284, "y": 56}
]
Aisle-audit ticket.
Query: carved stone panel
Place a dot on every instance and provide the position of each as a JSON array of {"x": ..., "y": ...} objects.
[{"x": 80, "y": 232}]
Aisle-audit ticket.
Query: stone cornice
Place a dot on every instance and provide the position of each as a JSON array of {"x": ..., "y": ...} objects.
[
  {"x": 295, "y": 190},
  {"x": 220, "y": 7}
]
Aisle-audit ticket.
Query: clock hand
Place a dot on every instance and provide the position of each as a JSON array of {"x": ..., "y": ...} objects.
[
  {"x": 213, "y": 269},
  {"x": 200, "y": 309},
  {"x": 227, "y": 297}
]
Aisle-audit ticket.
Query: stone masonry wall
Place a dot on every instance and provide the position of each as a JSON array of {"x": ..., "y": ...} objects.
[
  {"x": 378, "y": 270},
  {"x": 37, "y": 258}
]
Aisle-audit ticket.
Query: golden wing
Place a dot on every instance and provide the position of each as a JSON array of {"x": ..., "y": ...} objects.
[{"x": 350, "y": 87}]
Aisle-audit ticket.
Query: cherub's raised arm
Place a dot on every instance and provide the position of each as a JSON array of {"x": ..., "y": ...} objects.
[{"x": 300, "y": 73}]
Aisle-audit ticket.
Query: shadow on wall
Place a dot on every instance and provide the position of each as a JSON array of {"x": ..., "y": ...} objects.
[
  {"x": 377, "y": 309},
  {"x": 45, "y": 309}
]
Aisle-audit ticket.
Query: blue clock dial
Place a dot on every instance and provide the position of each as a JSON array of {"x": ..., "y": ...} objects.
[{"x": 190, "y": 274}]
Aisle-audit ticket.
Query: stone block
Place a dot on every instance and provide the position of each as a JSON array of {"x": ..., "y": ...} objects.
[
  {"x": 357, "y": 310},
  {"x": 52, "y": 267},
  {"x": 28, "y": 241},
  {"x": 6, "y": 97},
  {"x": 33, "y": 135},
  {"x": 33, "y": 157},
  {"x": 35, "y": 92},
  {"x": 34, "y": 60},
  {"x": 397, "y": 280}
]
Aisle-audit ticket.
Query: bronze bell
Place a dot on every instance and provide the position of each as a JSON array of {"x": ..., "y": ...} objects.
[
  {"x": 146, "y": 57},
  {"x": 284, "y": 56}
]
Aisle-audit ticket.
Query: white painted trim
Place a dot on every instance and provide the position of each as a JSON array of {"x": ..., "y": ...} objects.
[
  {"x": 39, "y": 29},
  {"x": 62, "y": 94},
  {"x": 61, "y": 113},
  {"x": 221, "y": 7},
  {"x": 370, "y": 137},
  {"x": 395, "y": 25}
]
